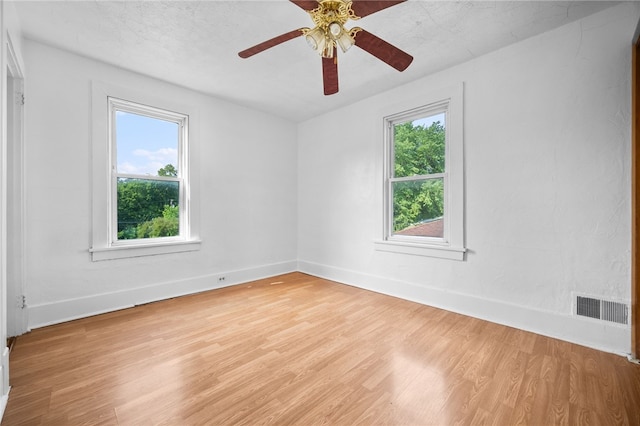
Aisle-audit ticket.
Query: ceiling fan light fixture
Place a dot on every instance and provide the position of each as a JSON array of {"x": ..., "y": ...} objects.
[
  {"x": 329, "y": 32},
  {"x": 340, "y": 36},
  {"x": 335, "y": 29},
  {"x": 316, "y": 39},
  {"x": 345, "y": 41}
]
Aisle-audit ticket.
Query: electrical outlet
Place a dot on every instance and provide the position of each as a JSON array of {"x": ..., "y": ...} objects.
[{"x": 221, "y": 279}]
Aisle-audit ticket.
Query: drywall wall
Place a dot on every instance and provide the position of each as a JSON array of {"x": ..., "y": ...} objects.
[
  {"x": 547, "y": 184},
  {"x": 245, "y": 182}
]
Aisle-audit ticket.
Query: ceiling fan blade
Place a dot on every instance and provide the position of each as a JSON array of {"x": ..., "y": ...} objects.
[
  {"x": 305, "y": 4},
  {"x": 270, "y": 43},
  {"x": 382, "y": 50},
  {"x": 363, "y": 8},
  {"x": 330, "y": 74}
]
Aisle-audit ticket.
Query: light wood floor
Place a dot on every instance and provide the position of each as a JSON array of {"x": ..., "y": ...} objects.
[{"x": 296, "y": 349}]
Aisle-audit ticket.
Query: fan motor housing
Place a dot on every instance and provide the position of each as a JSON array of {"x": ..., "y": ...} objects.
[{"x": 332, "y": 11}]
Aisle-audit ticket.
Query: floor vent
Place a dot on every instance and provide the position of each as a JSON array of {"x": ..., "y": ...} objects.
[{"x": 602, "y": 309}]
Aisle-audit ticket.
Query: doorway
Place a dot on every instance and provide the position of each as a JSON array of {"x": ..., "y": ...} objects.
[
  {"x": 16, "y": 303},
  {"x": 635, "y": 197}
]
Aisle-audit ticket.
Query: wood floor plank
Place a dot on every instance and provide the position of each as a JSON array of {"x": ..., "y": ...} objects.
[{"x": 300, "y": 350}]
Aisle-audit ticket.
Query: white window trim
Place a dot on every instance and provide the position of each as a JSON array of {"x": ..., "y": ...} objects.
[
  {"x": 451, "y": 246},
  {"x": 182, "y": 121},
  {"x": 104, "y": 245}
]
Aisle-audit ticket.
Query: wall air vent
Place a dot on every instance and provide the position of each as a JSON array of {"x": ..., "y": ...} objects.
[{"x": 604, "y": 310}]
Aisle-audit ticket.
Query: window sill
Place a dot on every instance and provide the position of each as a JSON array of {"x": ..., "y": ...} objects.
[
  {"x": 442, "y": 252},
  {"x": 127, "y": 251}
]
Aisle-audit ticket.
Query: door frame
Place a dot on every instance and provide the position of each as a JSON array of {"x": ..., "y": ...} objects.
[
  {"x": 17, "y": 321},
  {"x": 635, "y": 195}
]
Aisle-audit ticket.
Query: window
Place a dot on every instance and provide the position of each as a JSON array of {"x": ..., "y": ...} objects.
[
  {"x": 423, "y": 189},
  {"x": 417, "y": 178},
  {"x": 148, "y": 147},
  {"x": 143, "y": 199}
]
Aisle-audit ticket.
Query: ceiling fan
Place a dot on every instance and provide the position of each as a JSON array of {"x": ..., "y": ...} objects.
[{"x": 329, "y": 33}]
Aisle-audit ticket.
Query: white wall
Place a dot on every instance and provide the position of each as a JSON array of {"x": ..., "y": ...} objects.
[
  {"x": 247, "y": 188},
  {"x": 547, "y": 146}
]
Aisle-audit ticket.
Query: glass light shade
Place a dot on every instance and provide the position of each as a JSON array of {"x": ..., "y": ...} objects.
[
  {"x": 316, "y": 39},
  {"x": 335, "y": 29},
  {"x": 345, "y": 41},
  {"x": 312, "y": 42}
]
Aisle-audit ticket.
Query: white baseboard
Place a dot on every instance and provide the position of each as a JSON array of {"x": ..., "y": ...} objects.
[
  {"x": 67, "y": 310},
  {"x": 598, "y": 335}
]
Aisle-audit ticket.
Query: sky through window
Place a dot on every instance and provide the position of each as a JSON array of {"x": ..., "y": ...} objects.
[
  {"x": 145, "y": 144},
  {"x": 428, "y": 121}
]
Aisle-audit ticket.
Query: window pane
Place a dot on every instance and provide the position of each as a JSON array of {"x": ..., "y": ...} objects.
[
  {"x": 419, "y": 146},
  {"x": 145, "y": 145},
  {"x": 148, "y": 208},
  {"x": 418, "y": 208}
]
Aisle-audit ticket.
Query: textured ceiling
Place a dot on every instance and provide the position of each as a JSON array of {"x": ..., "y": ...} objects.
[{"x": 195, "y": 43}]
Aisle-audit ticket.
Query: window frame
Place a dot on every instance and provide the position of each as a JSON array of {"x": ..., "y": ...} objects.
[
  {"x": 105, "y": 244},
  {"x": 182, "y": 120},
  {"x": 451, "y": 246},
  {"x": 404, "y": 117}
]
